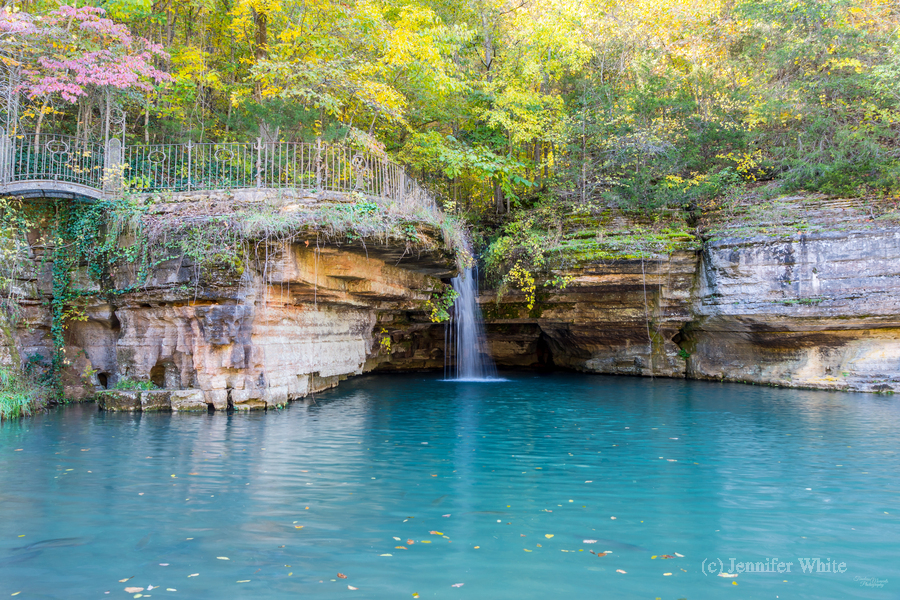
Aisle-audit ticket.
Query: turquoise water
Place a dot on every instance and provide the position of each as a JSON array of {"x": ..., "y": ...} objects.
[{"x": 292, "y": 498}]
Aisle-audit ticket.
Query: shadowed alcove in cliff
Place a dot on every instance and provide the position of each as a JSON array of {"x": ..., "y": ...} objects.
[{"x": 165, "y": 375}]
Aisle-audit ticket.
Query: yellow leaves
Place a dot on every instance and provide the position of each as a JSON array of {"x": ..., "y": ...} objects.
[
  {"x": 851, "y": 63},
  {"x": 524, "y": 280},
  {"x": 191, "y": 66}
]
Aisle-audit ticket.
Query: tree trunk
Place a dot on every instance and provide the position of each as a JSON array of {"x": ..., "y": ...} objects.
[
  {"x": 262, "y": 35},
  {"x": 147, "y": 121},
  {"x": 488, "y": 46},
  {"x": 40, "y": 122}
]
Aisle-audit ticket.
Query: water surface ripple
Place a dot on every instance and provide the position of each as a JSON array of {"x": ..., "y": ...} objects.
[{"x": 494, "y": 486}]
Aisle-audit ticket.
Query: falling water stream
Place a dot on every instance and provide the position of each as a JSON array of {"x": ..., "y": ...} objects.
[{"x": 465, "y": 339}]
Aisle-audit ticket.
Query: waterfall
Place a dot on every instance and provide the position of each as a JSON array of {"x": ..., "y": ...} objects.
[{"x": 464, "y": 335}]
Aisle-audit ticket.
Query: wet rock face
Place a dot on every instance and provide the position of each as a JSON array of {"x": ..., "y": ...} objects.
[{"x": 819, "y": 311}]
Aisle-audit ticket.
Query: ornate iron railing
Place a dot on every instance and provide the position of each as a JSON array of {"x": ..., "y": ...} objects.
[{"x": 113, "y": 169}]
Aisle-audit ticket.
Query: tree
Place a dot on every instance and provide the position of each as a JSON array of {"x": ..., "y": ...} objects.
[{"x": 70, "y": 52}]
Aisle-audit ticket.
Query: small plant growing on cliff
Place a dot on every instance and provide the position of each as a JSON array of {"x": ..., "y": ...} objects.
[
  {"x": 684, "y": 354},
  {"x": 384, "y": 342},
  {"x": 440, "y": 304},
  {"x": 128, "y": 384}
]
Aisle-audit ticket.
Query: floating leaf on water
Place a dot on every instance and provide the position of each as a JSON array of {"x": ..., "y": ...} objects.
[
  {"x": 590, "y": 541},
  {"x": 342, "y": 576},
  {"x": 350, "y": 587},
  {"x": 410, "y": 542},
  {"x": 164, "y": 564},
  {"x": 457, "y": 585},
  {"x": 477, "y": 547},
  {"x": 171, "y": 590},
  {"x": 435, "y": 533},
  {"x": 620, "y": 571},
  {"x": 666, "y": 574},
  {"x": 426, "y": 541},
  {"x": 223, "y": 558},
  {"x": 527, "y": 550},
  {"x": 385, "y": 555},
  {"x": 396, "y": 538},
  {"x": 194, "y": 575},
  {"x": 415, "y": 594},
  {"x": 729, "y": 575},
  {"x": 401, "y": 548},
  {"x": 667, "y": 556},
  {"x": 445, "y": 516},
  {"x": 679, "y": 555},
  {"x": 244, "y": 581},
  {"x": 126, "y": 579},
  {"x": 298, "y": 526},
  {"x": 613, "y": 518},
  {"x": 548, "y": 535},
  {"x": 134, "y": 590}
]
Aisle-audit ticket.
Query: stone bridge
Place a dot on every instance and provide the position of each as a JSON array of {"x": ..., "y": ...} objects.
[{"x": 62, "y": 166}]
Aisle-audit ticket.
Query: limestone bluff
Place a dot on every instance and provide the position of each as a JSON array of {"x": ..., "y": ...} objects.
[{"x": 804, "y": 309}]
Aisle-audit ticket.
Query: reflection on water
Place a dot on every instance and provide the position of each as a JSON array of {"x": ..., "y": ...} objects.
[{"x": 394, "y": 481}]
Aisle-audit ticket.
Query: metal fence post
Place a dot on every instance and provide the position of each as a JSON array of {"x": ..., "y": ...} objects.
[
  {"x": 318, "y": 164},
  {"x": 5, "y": 157},
  {"x": 113, "y": 169},
  {"x": 190, "y": 165},
  {"x": 259, "y": 162}
]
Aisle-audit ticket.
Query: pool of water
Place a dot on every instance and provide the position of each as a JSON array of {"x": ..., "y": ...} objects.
[{"x": 412, "y": 485}]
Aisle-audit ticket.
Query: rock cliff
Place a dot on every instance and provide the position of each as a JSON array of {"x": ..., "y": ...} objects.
[
  {"x": 802, "y": 303},
  {"x": 295, "y": 318},
  {"x": 808, "y": 307}
]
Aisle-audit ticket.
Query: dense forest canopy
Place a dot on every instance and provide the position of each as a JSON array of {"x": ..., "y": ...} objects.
[{"x": 498, "y": 105}]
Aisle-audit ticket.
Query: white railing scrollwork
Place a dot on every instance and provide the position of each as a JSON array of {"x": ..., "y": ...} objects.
[{"x": 52, "y": 160}]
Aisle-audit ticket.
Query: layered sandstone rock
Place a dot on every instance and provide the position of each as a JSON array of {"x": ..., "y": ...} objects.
[
  {"x": 294, "y": 323},
  {"x": 616, "y": 317},
  {"x": 817, "y": 310}
]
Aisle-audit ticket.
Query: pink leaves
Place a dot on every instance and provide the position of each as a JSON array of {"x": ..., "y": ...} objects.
[{"x": 104, "y": 55}]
